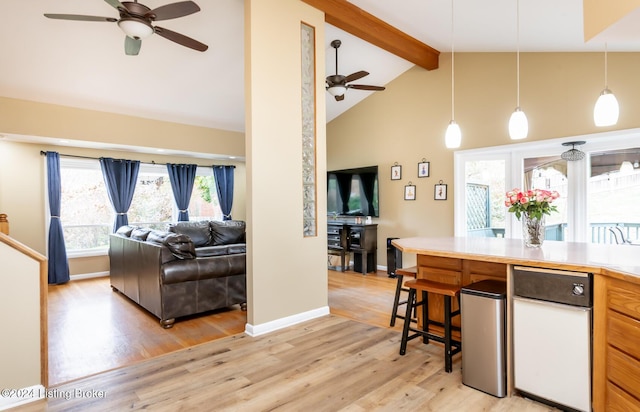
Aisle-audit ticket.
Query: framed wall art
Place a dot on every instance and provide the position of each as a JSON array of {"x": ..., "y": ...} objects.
[
  {"x": 423, "y": 168},
  {"x": 440, "y": 191},
  {"x": 396, "y": 172},
  {"x": 410, "y": 192}
]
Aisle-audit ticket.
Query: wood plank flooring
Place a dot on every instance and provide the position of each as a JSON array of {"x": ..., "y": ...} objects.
[
  {"x": 93, "y": 329},
  {"x": 347, "y": 361}
]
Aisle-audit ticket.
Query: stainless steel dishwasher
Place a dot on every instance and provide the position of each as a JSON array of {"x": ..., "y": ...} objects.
[{"x": 552, "y": 340}]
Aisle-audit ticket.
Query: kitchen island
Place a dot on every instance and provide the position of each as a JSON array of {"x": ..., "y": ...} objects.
[{"x": 616, "y": 297}]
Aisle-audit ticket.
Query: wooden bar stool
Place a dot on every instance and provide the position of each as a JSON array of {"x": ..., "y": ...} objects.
[
  {"x": 448, "y": 291},
  {"x": 400, "y": 274}
]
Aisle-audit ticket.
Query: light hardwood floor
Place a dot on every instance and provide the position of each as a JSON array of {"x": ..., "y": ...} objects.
[
  {"x": 93, "y": 329},
  {"x": 347, "y": 361}
]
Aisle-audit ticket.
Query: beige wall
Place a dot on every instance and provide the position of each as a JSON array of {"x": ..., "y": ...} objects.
[
  {"x": 48, "y": 120},
  {"x": 23, "y": 198},
  {"x": 602, "y": 14},
  {"x": 20, "y": 301},
  {"x": 286, "y": 273},
  {"x": 407, "y": 122}
]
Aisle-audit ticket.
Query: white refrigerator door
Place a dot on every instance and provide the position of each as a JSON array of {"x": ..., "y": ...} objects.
[{"x": 552, "y": 351}]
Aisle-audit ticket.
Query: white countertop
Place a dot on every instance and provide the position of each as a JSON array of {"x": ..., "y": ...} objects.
[{"x": 576, "y": 256}]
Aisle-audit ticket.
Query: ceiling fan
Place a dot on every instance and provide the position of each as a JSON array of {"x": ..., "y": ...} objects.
[
  {"x": 136, "y": 22},
  {"x": 337, "y": 84}
]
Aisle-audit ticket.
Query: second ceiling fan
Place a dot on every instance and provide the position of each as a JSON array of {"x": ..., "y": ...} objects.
[{"x": 338, "y": 84}]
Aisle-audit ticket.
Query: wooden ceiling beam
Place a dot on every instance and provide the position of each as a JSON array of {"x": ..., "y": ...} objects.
[{"x": 354, "y": 20}]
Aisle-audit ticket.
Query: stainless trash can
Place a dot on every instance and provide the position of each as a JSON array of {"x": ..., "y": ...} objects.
[{"x": 483, "y": 306}]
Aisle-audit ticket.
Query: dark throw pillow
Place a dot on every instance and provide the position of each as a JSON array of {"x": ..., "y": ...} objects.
[
  {"x": 228, "y": 232},
  {"x": 140, "y": 233},
  {"x": 180, "y": 246},
  {"x": 198, "y": 232}
]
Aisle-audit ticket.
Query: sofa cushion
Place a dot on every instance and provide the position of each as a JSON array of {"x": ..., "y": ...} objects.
[
  {"x": 180, "y": 245},
  {"x": 221, "y": 250},
  {"x": 157, "y": 236},
  {"x": 140, "y": 233},
  {"x": 126, "y": 230},
  {"x": 228, "y": 232},
  {"x": 198, "y": 232},
  {"x": 201, "y": 269}
]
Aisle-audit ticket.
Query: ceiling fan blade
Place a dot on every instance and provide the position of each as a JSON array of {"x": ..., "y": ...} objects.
[
  {"x": 181, "y": 39},
  {"x": 365, "y": 87},
  {"x": 132, "y": 46},
  {"x": 339, "y": 98},
  {"x": 79, "y": 17},
  {"x": 173, "y": 10},
  {"x": 356, "y": 76},
  {"x": 116, "y": 4}
]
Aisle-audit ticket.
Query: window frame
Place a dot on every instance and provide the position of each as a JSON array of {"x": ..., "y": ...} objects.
[
  {"x": 82, "y": 163},
  {"x": 514, "y": 155}
]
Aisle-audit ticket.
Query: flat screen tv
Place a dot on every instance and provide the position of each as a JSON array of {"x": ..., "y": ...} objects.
[{"x": 353, "y": 192}]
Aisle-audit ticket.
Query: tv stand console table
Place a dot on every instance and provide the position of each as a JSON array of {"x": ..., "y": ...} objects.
[{"x": 360, "y": 239}]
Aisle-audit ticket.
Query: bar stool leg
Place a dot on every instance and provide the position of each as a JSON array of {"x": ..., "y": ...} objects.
[
  {"x": 425, "y": 316},
  {"x": 407, "y": 322},
  {"x": 447, "y": 334},
  {"x": 396, "y": 301}
]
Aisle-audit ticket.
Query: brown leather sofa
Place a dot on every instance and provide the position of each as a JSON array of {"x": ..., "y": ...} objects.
[{"x": 191, "y": 268}]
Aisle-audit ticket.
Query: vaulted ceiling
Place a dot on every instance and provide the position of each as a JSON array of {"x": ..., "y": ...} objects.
[{"x": 83, "y": 64}]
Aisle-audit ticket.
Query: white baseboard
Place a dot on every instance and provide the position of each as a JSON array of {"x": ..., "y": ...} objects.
[
  {"x": 257, "y": 330},
  {"x": 89, "y": 275},
  {"x": 21, "y": 396}
]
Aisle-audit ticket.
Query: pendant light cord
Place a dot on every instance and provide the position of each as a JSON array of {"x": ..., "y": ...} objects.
[
  {"x": 606, "y": 86},
  {"x": 518, "y": 53},
  {"x": 452, "y": 66}
]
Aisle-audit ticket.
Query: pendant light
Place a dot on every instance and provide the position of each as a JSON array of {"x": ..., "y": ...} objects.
[
  {"x": 453, "y": 136},
  {"x": 518, "y": 124},
  {"x": 606, "y": 110}
]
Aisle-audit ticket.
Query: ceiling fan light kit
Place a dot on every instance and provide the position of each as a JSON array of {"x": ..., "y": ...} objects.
[
  {"x": 606, "y": 110},
  {"x": 337, "y": 90},
  {"x": 136, "y": 21},
  {"x": 135, "y": 28}
]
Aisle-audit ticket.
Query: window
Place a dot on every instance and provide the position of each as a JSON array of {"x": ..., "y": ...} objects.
[
  {"x": 596, "y": 193},
  {"x": 87, "y": 216},
  {"x": 85, "y": 211},
  {"x": 614, "y": 179},
  {"x": 484, "y": 198},
  {"x": 550, "y": 173}
]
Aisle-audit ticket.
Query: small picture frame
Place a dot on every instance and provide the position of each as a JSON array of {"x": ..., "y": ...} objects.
[
  {"x": 396, "y": 172},
  {"x": 423, "y": 169},
  {"x": 410, "y": 192},
  {"x": 440, "y": 191}
]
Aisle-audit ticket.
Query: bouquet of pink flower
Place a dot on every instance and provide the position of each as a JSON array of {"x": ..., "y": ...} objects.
[{"x": 533, "y": 203}]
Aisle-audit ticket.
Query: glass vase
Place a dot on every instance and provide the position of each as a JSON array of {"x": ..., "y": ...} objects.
[{"x": 532, "y": 230}]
